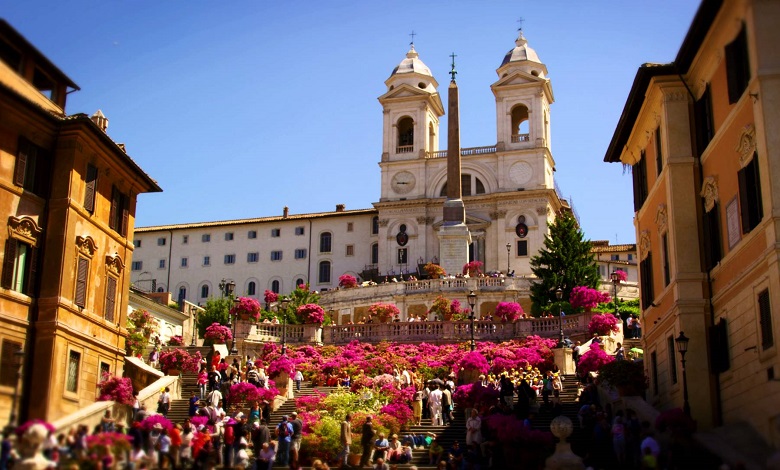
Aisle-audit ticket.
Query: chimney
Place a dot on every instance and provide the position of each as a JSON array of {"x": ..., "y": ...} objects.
[
  {"x": 285, "y": 212},
  {"x": 340, "y": 207},
  {"x": 100, "y": 120}
]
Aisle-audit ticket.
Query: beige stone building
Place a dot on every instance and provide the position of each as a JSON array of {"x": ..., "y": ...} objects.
[
  {"x": 68, "y": 199},
  {"x": 700, "y": 136}
]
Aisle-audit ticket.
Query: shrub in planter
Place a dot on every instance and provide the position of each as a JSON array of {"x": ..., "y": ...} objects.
[
  {"x": 248, "y": 393},
  {"x": 434, "y": 271},
  {"x": 474, "y": 360},
  {"x": 176, "y": 340},
  {"x": 270, "y": 297},
  {"x": 347, "y": 281},
  {"x": 604, "y": 324},
  {"x": 628, "y": 377},
  {"x": 384, "y": 312},
  {"x": 179, "y": 359},
  {"x": 118, "y": 389},
  {"x": 311, "y": 313},
  {"x": 217, "y": 334},
  {"x": 508, "y": 311},
  {"x": 621, "y": 275},
  {"x": 593, "y": 359},
  {"x": 246, "y": 307},
  {"x": 586, "y": 298},
  {"x": 280, "y": 365},
  {"x": 473, "y": 268},
  {"x": 442, "y": 308}
]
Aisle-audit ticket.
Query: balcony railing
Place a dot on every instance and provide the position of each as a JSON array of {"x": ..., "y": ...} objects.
[
  {"x": 404, "y": 149},
  {"x": 464, "y": 152},
  {"x": 520, "y": 138}
]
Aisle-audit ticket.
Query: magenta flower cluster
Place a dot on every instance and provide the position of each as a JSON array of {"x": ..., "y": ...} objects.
[
  {"x": 247, "y": 306},
  {"x": 150, "y": 421},
  {"x": 587, "y": 298},
  {"x": 621, "y": 275},
  {"x": 22, "y": 428},
  {"x": 347, "y": 281},
  {"x": 176, "y": 340},
  {"x": 270, "y": 297},
  {"x": 311, "y": 313},
  {"x": 248, "y": 393},
  {"x": 474, "y": 360},
  {"x": 384, "y": 312},
  {"x": 593, "y": 359},
  {"x": 508, "y": 311},
  {"x": 603, "y": 324},
  {"x": 280, "y": 365},
  {"x": 472, "y": 268},
  {"x": 118, "y": 389},
  {"x": 180, "y": 359},
  {"x": 217, "y": 333}
]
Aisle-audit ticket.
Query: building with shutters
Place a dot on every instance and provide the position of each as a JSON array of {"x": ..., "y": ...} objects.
[
  {"x": 700, "y": 136},
  {"x": 68, "y": 199}
]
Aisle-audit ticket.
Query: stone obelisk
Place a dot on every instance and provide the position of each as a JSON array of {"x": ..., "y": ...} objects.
[{"x": 454, "y": 236}]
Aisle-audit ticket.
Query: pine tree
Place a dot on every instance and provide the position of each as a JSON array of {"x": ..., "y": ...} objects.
[{"x": 565, "y": 261}]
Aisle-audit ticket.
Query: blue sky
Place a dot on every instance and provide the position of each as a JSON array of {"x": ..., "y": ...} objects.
[{"x": 240, "y": 108}]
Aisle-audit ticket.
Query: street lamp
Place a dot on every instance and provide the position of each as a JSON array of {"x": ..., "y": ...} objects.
[
  {"x": 228, "y": 287},
  {"x": 472, "y": 302},
  {"x": 508, "y": 249},
  {"x": 194, "y": 328},
  {"x": 615, "y": 283},
  {"x": 18, "y": 361},
  {"x": 559, "y": 296},
  {"x": 284, "y": 303},
  {"x": 682, "y": 348}
]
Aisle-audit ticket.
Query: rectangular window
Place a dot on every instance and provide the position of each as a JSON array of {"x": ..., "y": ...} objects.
[
  {"x": 325, "y": 242},
  {"x": 276, "y": 255},
  {"x": 105, "y": 369},
  {"x": 350, "y": 226},
  {"x": 350, "y": 250},
  {"x": 300, "y": 230},
  {"x": 253, "y": 257},
  {"x": 402, "y": 255},
  {"x": 184, "y": 262},
  {"x": 300, "y": 253},
  {"x": 72, "y": 379},
  {"x": 614, "y": 257},
  {"x": 110, "y": 305},
  {"x": 19, "y": 265},
  {"x": 630, "y": 257},
  {"x": 230, "y": 259},
  {"x": 737, "y": 66},
  {"x": 9, "y": 370},
  {"x": 32, "y": 168},
  {"x": 161, "y": 264},
  {"x": 137, "y": 265},
  {"x": 207, "y": 261},
  {"x": 522, "y": 247},
  {"x": 90, "y": 187},
  {"x": 137, "y": 243},
  {"x": 324, "y": 272},
  {"x": 654, "y": 371},
  {"x": 252, "y": 234},
  {"x": 712, "y": 244},
  {"x": 162, "y": 241},
  {"x": 205, "y": 238},
  {"x": 705, "y": 125},
  {"x": 82, "y": 272},
  {"x": 672, "y": 359},
  {"x": 659, "y": 156},
  {"x": 375, "y": 225},
  {"x": 639, "y": 173},
  {"x": 646, "y": 276},
  {"x": 276, "y": 232},
  {"x": 765, "y": 320},
  {"x": 185, "y": 239},
  {"x": 229, "y": 237},
  {"x": 119, "y": 215},
  {"x": 665, "y": 258},
  {"x": 375, "y": 254},
  {"x": 750, "y": 204}
]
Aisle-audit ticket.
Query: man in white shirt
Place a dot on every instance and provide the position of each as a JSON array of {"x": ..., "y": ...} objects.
[
  {"x": 434, "y": 403},
  {"x": 214, "y": 397},
  {"x": 406, "y": 379}
]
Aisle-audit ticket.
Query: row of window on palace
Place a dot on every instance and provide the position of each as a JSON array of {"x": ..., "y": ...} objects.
[{"x": 743, "y": 212}]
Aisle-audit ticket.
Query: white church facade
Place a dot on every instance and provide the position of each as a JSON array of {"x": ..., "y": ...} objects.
[{"x": 508, "y": 191}]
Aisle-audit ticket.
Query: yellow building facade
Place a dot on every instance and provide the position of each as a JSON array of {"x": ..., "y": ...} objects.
[
  {"x": 700, "y": 136},
  {"x": 67, "y": 195}
]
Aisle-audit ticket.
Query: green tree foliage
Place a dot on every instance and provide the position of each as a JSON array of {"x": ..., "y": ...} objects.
[
  {"x": 217, "y": 311},
  {"x": 565, "y": 261},
  {"x": 625, "y": 308}
]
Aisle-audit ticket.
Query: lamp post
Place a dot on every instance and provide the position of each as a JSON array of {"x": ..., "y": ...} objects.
[
  {"x": 284, "y": 303},
  {"x": 18, "y": 361},
  {"x": 194, "y": 328},
  {"x": 472, "y": 302},
  {"x": 228, "y": 287},
  {"x": 615, "y": 283},
  {"x": 559, "y": 296},
  {"x": 508, "y": 250},
  {"x": 682, "y": 347}
]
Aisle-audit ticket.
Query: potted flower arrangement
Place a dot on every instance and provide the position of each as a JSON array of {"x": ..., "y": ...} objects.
[
  {"x": 347, "y": 281},
  {"x": 621, "y": 275},
  {"x": 434, "y": 271},
  {"x": 245, "y": 392},
  {"x": 603, "y": 324},
  {"x": 508, "y": 311},
  {"x": 472, "y": 268},
  {"x": 627, "y": 377},
  {"x": 280, "y": 365},
  {"x": 116, "y": 444},
  {"x": 270, "y": 297},
  {"x": 593, "y": 359},
  {"x": 457, "y": 312},
  {"x": 143, "y": 321},
  {"x": 136, "y": 343},
  {"x": 583, "y": 297},
  {"x": 246, "y": 308},
  {"x": 217, "y": 334},
  {"x": 176, "y": 340},
  {"x": 311, "y": 313},
  {"x": 152, "y": 420},
  {"x": 174, "y": 361},
  {"x": 384, "y": 312},
  {"x": 118, "y": 389},
  {"x": 441, "y": 308}
]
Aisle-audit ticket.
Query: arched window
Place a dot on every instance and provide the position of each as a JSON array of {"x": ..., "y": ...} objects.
[
  {"x": 299, "y": 282},
  {"x": 520, "y": 132},
  {"x": 325, "y": 242},
  {"x": 182, "y": 292},
  {"x": 375, "y": 253},
  {"x": 405, "y": 135},
  {"x": 204, "y": 291},
  {"x": 469, "y": 186},
  {"x": 251, "y": 288},
  {"x": 161, "y": 289},
  {"x": 375, "y": 225},
  {"x": 275, "y": 288},
  {"x": 324, "y": 272}
]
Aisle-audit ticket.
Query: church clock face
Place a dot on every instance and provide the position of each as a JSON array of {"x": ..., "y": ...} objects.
[
  {"x": 521, "y": 173},
  {"x": 402, "y": 182}
]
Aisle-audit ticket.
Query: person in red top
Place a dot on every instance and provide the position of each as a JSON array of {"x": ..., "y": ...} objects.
[
  {"x": 175, "y": 436},
  {"x": 215, "y": 358},
  {"x": 227, "y": 449}
]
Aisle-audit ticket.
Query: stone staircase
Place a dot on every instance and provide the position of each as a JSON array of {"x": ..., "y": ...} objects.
[
  {"x": 289, "y": 406},
  {"x": 180, "y": 407}
]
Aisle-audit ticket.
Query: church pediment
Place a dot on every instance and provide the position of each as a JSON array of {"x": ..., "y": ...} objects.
[
  {"x": 473, "y": 223},
  {"x": 518, "y": 78},
  {"x": 404, "y": 90}
]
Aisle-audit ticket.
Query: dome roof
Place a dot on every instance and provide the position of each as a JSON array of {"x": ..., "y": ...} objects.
[
  {"x": 521, "y": 52},
  {"x": 412, "y": 64}
]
